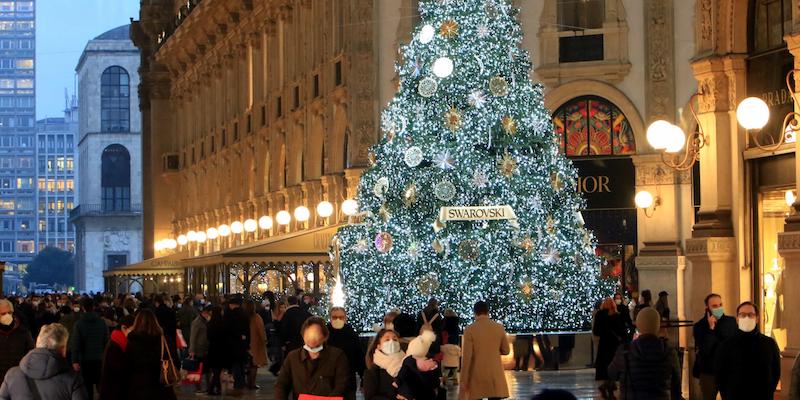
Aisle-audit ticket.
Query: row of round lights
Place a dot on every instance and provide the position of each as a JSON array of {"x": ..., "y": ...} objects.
[{"x": 301, "y": 214}]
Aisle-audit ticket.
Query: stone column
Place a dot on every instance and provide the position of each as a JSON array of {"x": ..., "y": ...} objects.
[{"x": 789, "y": 249}]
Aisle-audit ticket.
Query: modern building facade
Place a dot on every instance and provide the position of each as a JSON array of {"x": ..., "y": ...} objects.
[
  {"x": 55, "y": 168},
  {"x": 253, "y": 108},
  {"x": 108, "y": 212},
  {"x": 17, "y": 132}
]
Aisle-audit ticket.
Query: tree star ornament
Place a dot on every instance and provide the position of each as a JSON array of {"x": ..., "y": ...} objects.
[
  {"x": 445, "y": 161},
  {"x": 384, "y": 212},
  {"x": 449, "y": 29},
  {"x": 527, "y": 244},
  {"x": 527, "y": 289},
  {"x": 507, "y": 165},
  {"x": 452, "y": 119},
  {"x": 479, "y": 179},
  {"x": 477, "y": 99},
  {"x": 509, "y": 125}
]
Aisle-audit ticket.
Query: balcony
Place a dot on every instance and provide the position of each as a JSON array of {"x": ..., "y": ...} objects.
[{"x": 98, "y": 210}]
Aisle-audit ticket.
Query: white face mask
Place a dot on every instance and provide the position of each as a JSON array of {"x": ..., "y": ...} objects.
[
  {"x": 337, "y": 324},
  {"x": 76, "y": 309},
  {"x": 390, "y": 347},
  {"x": 312, "y": 350},
  {"x": 747, "y": 324},
  {"x": 6, "y": 319}
]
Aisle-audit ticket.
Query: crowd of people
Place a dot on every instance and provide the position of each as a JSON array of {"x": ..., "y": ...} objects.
[
  {"x": 733, "y": 359},
  {"x": 63, "y": 346}
]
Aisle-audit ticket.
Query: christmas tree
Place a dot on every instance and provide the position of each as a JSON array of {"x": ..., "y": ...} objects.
[{"x": 468, "y": 196}]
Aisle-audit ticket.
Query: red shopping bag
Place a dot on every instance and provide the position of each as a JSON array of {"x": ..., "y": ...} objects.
[
  {"x": 312, "y": 397},
  {"x": 180, "y": 342},
  {"x": 193, "y": 377}
]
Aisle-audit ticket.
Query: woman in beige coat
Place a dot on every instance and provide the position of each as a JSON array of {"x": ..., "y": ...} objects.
[
  {"x": 258, "y": 343},
  {"x": 484, "y": 343}
]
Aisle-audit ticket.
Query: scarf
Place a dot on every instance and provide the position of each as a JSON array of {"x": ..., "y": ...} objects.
[{"x": 391, "y": 363}]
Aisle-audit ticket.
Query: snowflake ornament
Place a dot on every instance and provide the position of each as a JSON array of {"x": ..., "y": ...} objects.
[
  {"x": 479, "y": 179},
  {"x": 444, "y": 160},
  {"x": 477, "y": 99}
]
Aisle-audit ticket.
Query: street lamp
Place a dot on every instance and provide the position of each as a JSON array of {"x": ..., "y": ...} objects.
[
  {"x": 302, "y": 213},
  {"x": 324, "y": 209},
  {"x": 349, "y": 207},
  {"x": 212, "y": 233},
  {"x": 183, "y": 240},
  {"x": 265, "y": 222},
  {"x": 250, "y": 225},
  {"x": 646, "y": 201},
  {"x": 237, "y": 227},
  {"x": 670, "y": 139},
  {"x": 753, "y": 115},
  {"x": 224, "y": 230},
  {"x": 283, "y": 217}
]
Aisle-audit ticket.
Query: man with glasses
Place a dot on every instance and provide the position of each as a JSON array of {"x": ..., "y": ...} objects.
[
  {"x": 748, "y": 365},
  {"x": 345, "y": 338},
  {"x": 709, "y": 333}
]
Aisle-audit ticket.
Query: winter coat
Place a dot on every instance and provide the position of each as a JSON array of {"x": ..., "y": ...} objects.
[
  {"x": 143, "y": 361},
  {"x": 452, "y": 356},
  {"x": 258, "y": 341},
  {"x": 414, "y": 384},
  {"x": 169, "y": 324},
  {"x": 748, "y": 366},
  {"x": 484, "y": 342},
  {"x": 68, "y": 320},
  {"x": 289, "y": 329},
  {"x": 237, "y": 331},
  {"x": 186, "y": 315},
  {"x": 648, "y": 369},
  {"x": 611, "y": 330},
  {"x": 378, "y": 384},
  {"x": 198, "y": 342},
  {"x": 50, "y": 372},
  {"x": 328, "y": 375},
  {"x": 346, "y": 340},
  {"x": 405, "y": 325},
  {"x": 706, "y": 342},
  {"x": 15, "y": 342},
  {"x": 217, "y": 345},
  {"x": 89, "y": 338},
  {"x": 112, "y": 377}
]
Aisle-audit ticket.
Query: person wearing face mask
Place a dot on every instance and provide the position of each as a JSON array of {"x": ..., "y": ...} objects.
[
  {"x": 345, "y": 338},
  {"x": 315, "y": 369},
  {"x": 748, "y": 365},
  {"x": 384, "y": 359},
  {"x": 709, "y": 333},
  {"x": 15, "y": 339},
  {"x": 112, "y": 382},
  {"x": 625, "y": 314}
]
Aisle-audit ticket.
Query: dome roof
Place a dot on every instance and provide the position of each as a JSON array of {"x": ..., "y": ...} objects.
[{"x": 118, "y": 33}]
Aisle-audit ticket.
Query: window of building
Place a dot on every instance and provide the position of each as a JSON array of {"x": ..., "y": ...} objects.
[
  {"x": 25, "y": 6},
  {"x": 116, "y": 179},
  {"x": 7, "y": 204},
  {"x": 25, "y": 83},
  {"x": 70, "y": 145},
  {"x": 42, "y": 184},
  {"x": 60, "y": 185},
  {"x": 7, "y": 102},
  {"x": 25, "y": 102},
  {"x": 60, "y": 164},
  {"x": 5, "y": 183},
  {"x": 116, "y": 260},
  {"x": 6, "y": 83},
  {"x": 6, "y": 246},
  {"x": 115, "y": 100},
  {"x": 24, "y": 224},
  {"x": 26, "y": 44},
  {"x": 42, "y": 225},
  {"x": 70, "y": 185},
  {"x": 25, "y": 25},
  {"x": 51, "y": 185},
  {"x": 6, "y": 162},
  {"x": 6, "y": 6},
  {"x": 6, "y": 25},
  {"x": 7, "y": 141},
  {"x": 337, "y": 73},
  {"x": 25, "y": 246},
  {"x": 70, "y": 164},
  {"x": 6, "y": 63},
  {"x": 590, "y": 126},
  {"x": 26, "y": 162},
  {"x": 24, "y": 183},
  {"x": 579, "y": 15},
  {"x": 25, "y": 63},
  {"x": 25, "y": 141}
]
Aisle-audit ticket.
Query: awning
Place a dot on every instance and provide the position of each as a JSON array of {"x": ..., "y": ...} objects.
[
  {"x": 297, "y": 247},
  {"x": 167, "y": 265}
]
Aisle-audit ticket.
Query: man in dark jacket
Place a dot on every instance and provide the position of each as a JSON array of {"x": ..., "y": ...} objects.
[
  {"x": 748, "y": 365},
  {"x": 237, "y": 326},
  {"x": 46, "y": 369},
  {"x": 291, "y": 323},
  {"x": 88, "y": 342},
  {"x": 169, "y": 324},
  {"x": 648, "y": 367},
  {"x": 315, "y": 369},
  {"x": 344, "y": 337},
  {"x": 15, "y": 339},
  {"x": 709, "y": 333}
]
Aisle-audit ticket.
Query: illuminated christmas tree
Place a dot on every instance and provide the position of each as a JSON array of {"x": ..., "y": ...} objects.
[{"x": 468, "y": 196}]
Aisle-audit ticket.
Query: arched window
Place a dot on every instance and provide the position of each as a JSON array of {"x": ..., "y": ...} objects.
[
  {"x": 116, "y": 178},
  {"x": 593, "y": 126},
  {"x": 115, "y": 100}
]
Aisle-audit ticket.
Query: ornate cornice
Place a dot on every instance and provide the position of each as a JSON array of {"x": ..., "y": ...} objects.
[{"x": 711, "y": 248}]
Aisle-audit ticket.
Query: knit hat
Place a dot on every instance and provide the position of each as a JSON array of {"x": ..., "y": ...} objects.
[
  {"x": 648, "y": 321},
  {"x": 418, "y": 347}
]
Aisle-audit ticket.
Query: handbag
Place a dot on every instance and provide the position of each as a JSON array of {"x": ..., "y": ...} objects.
[
  {"x": 169, "y": 374},
  {"x": 313, "y": 397}
]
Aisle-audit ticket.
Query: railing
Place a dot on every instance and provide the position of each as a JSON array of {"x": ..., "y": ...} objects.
[
  {"x": 90, "y": 210},
  {"x": 181, "y": 16}
]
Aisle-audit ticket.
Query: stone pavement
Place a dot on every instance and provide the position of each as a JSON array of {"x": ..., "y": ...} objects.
[{"x": 523, "y": 385}]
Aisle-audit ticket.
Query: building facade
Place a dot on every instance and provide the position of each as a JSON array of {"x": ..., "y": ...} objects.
[
  {"x": 55, "y": 171},
  {"x": 253, "y": 108},
  {"x": 108, "y": 212},
  {"x": 17, "y": 132}
]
